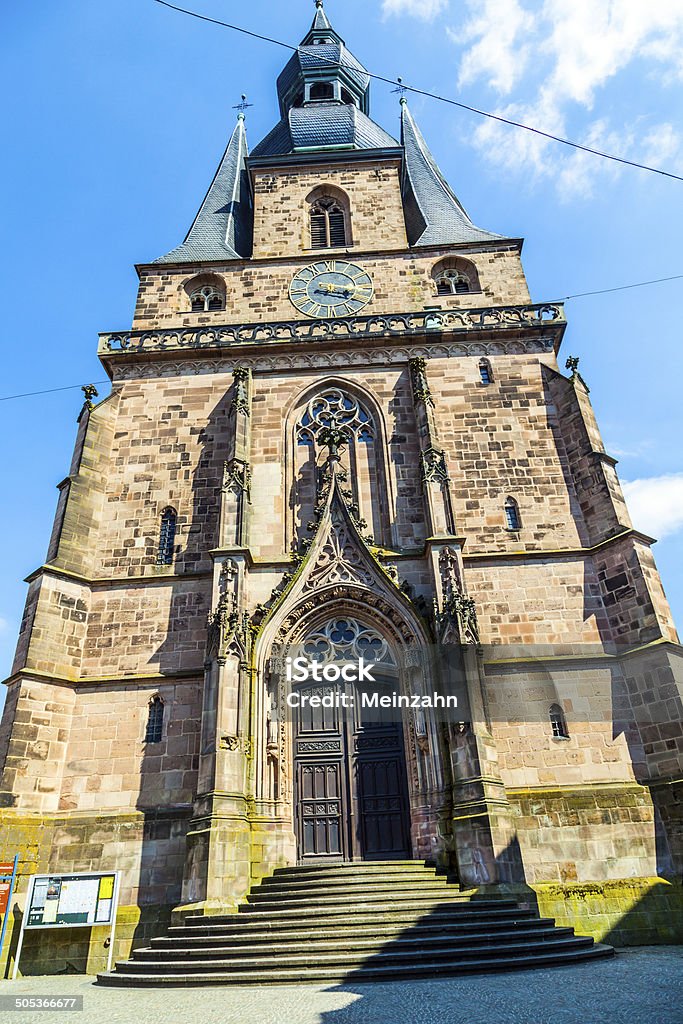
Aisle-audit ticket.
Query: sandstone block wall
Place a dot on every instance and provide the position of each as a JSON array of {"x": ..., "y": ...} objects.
[{"x": 258, "y": 290}]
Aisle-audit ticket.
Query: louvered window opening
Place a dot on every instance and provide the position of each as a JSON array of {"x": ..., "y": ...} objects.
[
  {"x": 328, "y": 226},
  {"x": 451, "y": 282},
  {"x": 206, "y": 299}
]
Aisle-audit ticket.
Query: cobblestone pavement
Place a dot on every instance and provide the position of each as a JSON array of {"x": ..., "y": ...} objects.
[{"x": 641, "y": 986}]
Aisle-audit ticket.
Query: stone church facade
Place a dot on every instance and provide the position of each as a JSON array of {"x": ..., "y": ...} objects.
[{"x": 338, "y": 420}]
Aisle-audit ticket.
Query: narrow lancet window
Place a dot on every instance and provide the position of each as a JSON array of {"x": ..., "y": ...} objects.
[
  {"x": 485, "y": 371},
  {"x": 558, "y": 723},
  {"x": 512, "y": 517},
  {"x": 167, "y": 532},
  {"x": 155, "y": 720}
]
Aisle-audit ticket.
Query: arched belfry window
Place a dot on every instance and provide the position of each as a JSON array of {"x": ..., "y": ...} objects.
[
  {"x": 322, "y": 91},
  {"x": 155, "y": 720},
  {"x": 206, "y": 293},
  {"x": 167, "y": 532},
  {"x": 360, "y": 454},
  {"x": 329, "y": 222},
  {"x": 455, "y": 276},
  {"x": 558, "y": 722}
]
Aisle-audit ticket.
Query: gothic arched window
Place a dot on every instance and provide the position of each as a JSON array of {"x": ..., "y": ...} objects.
[
  {"x": 155, "y": 720},
  {"x": 558, "y": 722},
  {"x": 206, "y": 293},
  {"x": 455, "y": 276},
  {"x": 167, "y": 532},
  {"x": 328, "y": 224},
  {"x": 360, "y": 455},
  {"x": 512, "y": 517},
  {"x": 485, "y": 371}
]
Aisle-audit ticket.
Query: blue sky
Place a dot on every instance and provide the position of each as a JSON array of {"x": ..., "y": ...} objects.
[{"x": 119, "y": 111}]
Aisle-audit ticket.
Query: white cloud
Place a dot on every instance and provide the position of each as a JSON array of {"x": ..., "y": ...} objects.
[
  {"x": 425, "y": 9},
  {"x": 656, "y": 504},
  {"x": 4, "y": 625},
  {"x": 501, "y": 57},
  {"x": 556, "y": 56}
]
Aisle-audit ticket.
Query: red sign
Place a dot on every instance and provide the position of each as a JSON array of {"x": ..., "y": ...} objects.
[
  {"x": 7, "y": 868},
  {"x": 4, "y": 896}
]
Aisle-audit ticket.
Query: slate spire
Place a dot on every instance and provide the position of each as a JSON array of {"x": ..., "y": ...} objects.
[
  {"x": 434, "y": 214},
  {"x": 321, "y": 22},
  {"x": 222, "y": 229}
]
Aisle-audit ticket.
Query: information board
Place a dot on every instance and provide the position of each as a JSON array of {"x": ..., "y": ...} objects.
[
  {"x": 71, "y": 900},
  {"x": 86, "y": 899}
]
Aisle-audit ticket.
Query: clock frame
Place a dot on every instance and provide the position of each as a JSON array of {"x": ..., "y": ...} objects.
[{"x": 331, "y": 288}]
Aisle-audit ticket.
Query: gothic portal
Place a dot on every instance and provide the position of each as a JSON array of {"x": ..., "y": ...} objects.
[{"x": 338, "y": 424}]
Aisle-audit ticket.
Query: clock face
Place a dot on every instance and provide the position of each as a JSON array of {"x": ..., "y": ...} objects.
[{"x": 331, "y": 288}]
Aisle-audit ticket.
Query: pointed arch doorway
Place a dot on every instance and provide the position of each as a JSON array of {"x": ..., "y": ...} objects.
[{"x": 350, "y": 782}]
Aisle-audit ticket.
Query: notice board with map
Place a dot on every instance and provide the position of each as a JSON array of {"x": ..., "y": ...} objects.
[{"x": 76, "y": 900}]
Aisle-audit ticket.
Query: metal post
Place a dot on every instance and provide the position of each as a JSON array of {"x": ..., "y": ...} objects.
[
  {"x": 114, "y": 911},
  {"x": 13, "y": 878},
  {"x": 29, "y": 901}
]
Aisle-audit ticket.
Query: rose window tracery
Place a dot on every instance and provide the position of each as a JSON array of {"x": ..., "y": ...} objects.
[
  {"x": 337, "y": 408},
  {"x": 346, "y": 639}
]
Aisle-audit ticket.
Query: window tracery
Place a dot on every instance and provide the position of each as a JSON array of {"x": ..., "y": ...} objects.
[
  {"x": 346, "y": 639},
  {"x": 328, "y": 224},
  {"x": 360, "y": 454},
  {"x": 455, "y": 276}
]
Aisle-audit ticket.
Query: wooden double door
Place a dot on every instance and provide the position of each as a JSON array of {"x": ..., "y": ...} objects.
[{"x": 351, "y": 793}]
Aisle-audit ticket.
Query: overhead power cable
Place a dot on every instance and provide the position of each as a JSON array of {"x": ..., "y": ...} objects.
[
  {"x": 622, "y": 287},
  {"x": 50, "y": 391},
  {"x": 431, "y": 95}
]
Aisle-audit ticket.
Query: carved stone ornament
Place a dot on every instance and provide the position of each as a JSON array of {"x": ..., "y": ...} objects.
[
  {"x": 434, "y": 466},
  {"x": 237, "y": 477},
  {"x": 340, "y": 559},
  {"x": 573, "y": 365},
  {"x": 449, "y": 570},
  {"x": 418, "y": 377},
  {"x": 359, "y": 328},
  {"x": 228, "y": 631},
  {"x": 457, "y": 618},
  {"x": 240, "y": 398}
]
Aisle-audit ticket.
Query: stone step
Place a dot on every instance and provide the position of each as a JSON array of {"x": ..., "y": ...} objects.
[
  {"x": 379, "y": 901},
  {"x": 353, "y": 922},
  {"x": 351, "y": 959},
  {"x": 404, "y": 912},
  {"x": 343, "y": 892},
  {"x": 345, "y": 932},
  {"x": 350, "y": 876},
  {"x": 415, "y": 944},
  {"x": 347, "y": 866},
  {"x": 374, "y": 972},
  {"x": 352, "y": 883}
]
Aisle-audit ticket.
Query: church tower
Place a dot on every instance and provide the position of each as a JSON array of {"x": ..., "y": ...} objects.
[{"x": 337, "y": 426}]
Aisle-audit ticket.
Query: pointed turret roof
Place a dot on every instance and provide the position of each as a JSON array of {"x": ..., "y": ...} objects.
[
  {"x": 222, "y": 229},
  {"x": 321, "y": 23},
  {"x": 434, "y": 214},
  {"x": 324, "y": 95}
]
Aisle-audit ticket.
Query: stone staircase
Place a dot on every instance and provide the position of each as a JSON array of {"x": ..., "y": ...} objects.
[{"x": 353, "y": 923}]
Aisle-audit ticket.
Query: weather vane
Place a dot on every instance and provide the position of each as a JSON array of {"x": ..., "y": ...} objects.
[
  {"x": 402, "y": 89},
  {"x": 243, "y": 105}
]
